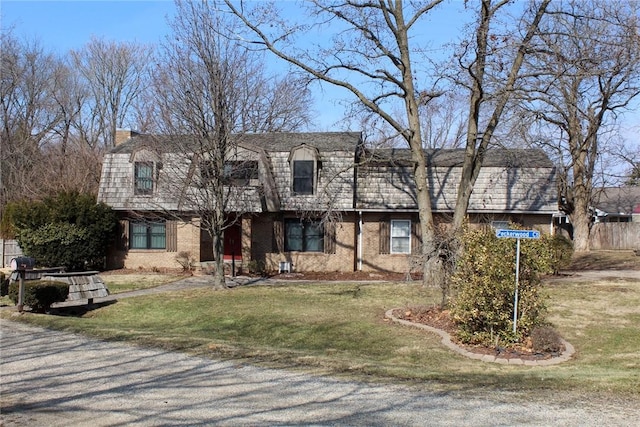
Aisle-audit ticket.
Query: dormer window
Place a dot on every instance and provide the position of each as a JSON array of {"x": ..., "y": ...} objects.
[
  {"x": 303, "y": 161},
  {"x": 143, "y": 178},
  {"x": 303, "y": 177}
]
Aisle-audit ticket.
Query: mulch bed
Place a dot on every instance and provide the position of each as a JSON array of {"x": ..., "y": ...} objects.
[{"x": 440, "y": 319}]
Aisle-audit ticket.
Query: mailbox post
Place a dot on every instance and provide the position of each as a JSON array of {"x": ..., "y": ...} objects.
[{"x": 21, "y": 265}]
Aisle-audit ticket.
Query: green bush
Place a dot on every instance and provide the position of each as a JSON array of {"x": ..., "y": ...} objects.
[
  {"x": 484, "y": 287},
  {"x": 562, "y": 251},
  {"x": 39, "y": 295},
  {"x": 69, "y": 230}
]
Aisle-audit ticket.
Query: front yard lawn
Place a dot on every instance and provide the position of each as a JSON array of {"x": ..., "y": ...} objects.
[{"x": 340, "y": 329}]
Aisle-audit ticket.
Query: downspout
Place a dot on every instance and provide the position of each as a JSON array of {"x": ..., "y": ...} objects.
[{"x": 359, "y": 241}]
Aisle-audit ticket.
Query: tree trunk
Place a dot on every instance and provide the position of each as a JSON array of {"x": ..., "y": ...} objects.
[
  {"x": 432, "y": 269},
  {"x": 218, "y": 254},
  {"x": 581, "y": 221}
]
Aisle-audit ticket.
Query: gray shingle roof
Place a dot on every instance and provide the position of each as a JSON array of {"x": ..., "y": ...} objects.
[
  {"x": 497, "y": 157},
  {"x": 323, "y": 141},
  {"x": 618, "y": 200}
]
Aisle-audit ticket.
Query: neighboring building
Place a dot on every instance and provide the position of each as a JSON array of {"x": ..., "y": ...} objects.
[
  {"x": 617, "y": 204},
  {"x": 294, "y": 180}
]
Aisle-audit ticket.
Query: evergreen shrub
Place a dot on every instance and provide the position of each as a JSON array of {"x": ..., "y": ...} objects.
[
  {"x": 69, "y": 230},
  {"x": 562, "y": 248},
  {"x": 484, "y": 287},
  {"x": 39, "y": 294}
]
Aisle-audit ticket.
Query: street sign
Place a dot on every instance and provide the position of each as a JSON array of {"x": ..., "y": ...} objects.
[{"x": 517, "y": 234}]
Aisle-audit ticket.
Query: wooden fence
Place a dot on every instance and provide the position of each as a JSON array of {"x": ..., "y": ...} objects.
[
  {"x": 9, "y": 249},
  {"x": 615, "y": 235}
]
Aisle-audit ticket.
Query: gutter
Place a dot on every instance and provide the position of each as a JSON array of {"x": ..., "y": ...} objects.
[{"x": 359, "y": 249}]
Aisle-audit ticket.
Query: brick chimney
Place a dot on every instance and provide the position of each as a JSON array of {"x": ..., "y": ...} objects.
[{"x": 124, "y": 134}]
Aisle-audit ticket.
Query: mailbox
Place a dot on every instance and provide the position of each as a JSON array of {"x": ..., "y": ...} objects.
[{"x": 22, "y": 263}]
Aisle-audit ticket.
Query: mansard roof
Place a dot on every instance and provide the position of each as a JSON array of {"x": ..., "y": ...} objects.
[
  {"x": 273, "y": 141},
  {"x": 495, "y": 157}
]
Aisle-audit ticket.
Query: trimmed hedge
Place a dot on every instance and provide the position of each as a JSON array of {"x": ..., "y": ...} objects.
[{"x": 40, "y": 294}]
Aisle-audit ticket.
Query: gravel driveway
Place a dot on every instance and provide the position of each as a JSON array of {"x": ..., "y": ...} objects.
[{"x": 51, "y": 378}]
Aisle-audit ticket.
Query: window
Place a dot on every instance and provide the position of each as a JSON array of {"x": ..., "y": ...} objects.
[
  {"x": 400, "y": 236},
  {"x": 240, "y": 173},
  {"x": 303, "y": 177},
  {"x": 303, "y": 236},
  {"x": 235, "y": 173},
  {"x": 143, "y": 177},
  {"x": 148, "y": 235}
]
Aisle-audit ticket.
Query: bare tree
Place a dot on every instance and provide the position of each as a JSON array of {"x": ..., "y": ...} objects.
[
  {"x": 490, "y": 88},
  {"x": 587, "y": 69},
  {"x": 625, "y": 162},
  {"x": 115, "y": 73},
  {"x": 371, "y": 56},
  {"x": 209, "y": 91},
  {"x": 444, "y": 121},
  {"x": 274, "y": 104},
  {"x": 28, "y": 80}
]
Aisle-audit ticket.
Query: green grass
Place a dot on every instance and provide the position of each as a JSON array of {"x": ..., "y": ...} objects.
[
  {"x": 340, "y": 329},
  {"x": 132, "y": 282},
  {"x": 603, "y": 320}
]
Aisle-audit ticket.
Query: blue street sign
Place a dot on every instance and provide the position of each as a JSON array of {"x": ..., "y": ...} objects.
[{"x": 517, "y": 234}]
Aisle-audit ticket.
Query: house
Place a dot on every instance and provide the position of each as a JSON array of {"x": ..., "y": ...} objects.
[
  {"x": 617, "y": 204},
  {"x": 309, "y": 201}
]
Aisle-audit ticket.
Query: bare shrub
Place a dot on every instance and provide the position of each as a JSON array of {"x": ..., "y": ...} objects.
[
  {"x": 545, "y": 339},
  {"x": 187, "y": 261}
]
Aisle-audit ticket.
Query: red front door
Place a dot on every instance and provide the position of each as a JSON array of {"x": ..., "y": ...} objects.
[{"x": 233, "y": 242}]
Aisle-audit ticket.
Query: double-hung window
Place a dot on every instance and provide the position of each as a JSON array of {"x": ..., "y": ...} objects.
[
  {"x": 303, "y": 177},
  {"x": 148, "y": 235},
  {"x": 304, "y": 236},
  {"x": 400, "y": 236},
  {"x": 143, "y": 178}
]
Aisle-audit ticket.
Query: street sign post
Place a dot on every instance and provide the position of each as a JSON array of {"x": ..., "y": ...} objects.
[{"x": 517, "y": 234}]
